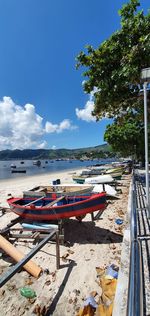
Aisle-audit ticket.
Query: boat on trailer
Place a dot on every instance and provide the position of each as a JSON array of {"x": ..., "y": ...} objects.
[{"x": 45, "y": 208}]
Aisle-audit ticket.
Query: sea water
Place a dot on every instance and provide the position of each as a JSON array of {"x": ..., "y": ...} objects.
[{"x": 47, "y": 166}]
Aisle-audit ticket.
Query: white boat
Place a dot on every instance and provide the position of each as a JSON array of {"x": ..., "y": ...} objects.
[
  {"x": 110, "y": 191},
  {"x": 105, "y": 178}
]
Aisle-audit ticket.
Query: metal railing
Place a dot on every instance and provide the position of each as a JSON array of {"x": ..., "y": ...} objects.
[{"x": 135, "y": 288}]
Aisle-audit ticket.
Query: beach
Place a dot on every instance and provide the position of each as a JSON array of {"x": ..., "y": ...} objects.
[{"x": 90, "y": 244}]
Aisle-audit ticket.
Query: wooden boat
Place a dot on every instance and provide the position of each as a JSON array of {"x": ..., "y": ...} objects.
[
  {"x": 18, "y": 171},
  {"x": 37, "y": 162},
  {"x": 55, "y": 209},
  {"x": 12, "y": 166},
  {"x": 79, "y": 179},
  {"x": 115, "y": 170},
  {"x": 110, "y": 191},
  {"x": 58, "y": 190},
  {"x": 105, "y": 178}
]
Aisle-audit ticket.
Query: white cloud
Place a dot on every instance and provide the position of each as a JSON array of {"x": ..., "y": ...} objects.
[
  {"x": 85, "y": 114},
  {"x": 21, "y": 127},
  {"x": 42, "y": 145},
  {"x": 53, "y": 147},
  {"x": 59, "y": 128}
]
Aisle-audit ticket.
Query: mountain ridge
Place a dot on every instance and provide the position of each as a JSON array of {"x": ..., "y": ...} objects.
[{"x": 100, "y": 150}]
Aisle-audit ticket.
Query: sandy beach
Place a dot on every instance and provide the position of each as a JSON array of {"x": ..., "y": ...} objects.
[{"x": 90, "y": 244}]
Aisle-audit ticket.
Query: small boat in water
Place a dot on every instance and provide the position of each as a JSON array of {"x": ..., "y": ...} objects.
[
  {"x": 12, "y": 166},
  {"x": 37, "y": 162},
  {"x": 55, "y": 209},
  {"x": 18, "y": 171}
]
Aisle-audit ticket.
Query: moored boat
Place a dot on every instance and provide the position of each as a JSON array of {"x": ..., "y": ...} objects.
[
  {"x": 18, "y": 171},
  {"x": 37, "y": 162},
  {"x": 55, "y": 209},
  {"x": 12, "y": 166}
]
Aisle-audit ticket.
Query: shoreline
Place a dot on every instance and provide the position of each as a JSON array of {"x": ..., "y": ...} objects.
[
  {"x": 43, "y": 175},
  {"x": 90, "y": 244},
  {"x": 21, "y": 177}
]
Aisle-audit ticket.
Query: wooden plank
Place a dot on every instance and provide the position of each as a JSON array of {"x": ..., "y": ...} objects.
[
  {"x": 55, "y": 201},
  {"x": 34, "y": 193},
  {"x": 32, "y": 202}
]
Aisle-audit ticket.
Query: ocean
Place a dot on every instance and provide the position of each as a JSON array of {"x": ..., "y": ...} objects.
[{"x": 47, "y": 166}]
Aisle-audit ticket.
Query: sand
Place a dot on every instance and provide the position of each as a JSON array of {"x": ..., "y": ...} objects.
[{"x": 89, "y": 245}]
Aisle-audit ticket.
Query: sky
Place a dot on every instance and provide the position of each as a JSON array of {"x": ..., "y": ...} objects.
[{"x": 42, "y": 102}]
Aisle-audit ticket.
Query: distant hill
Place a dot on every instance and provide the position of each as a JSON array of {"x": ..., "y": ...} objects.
[{"x": 100, "y": 151}]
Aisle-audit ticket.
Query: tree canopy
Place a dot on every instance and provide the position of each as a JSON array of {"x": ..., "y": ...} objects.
[
  {"x": 126, "y": 136},
  {"x": 114, "y": 68}
]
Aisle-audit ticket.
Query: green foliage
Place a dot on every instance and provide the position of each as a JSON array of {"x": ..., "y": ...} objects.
[
  {"x": 115, "y": 66},
  {"x": 126, "y": 136}
]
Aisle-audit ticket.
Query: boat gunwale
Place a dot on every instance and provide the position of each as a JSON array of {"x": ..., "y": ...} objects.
[{"x": 92, "y": 197}]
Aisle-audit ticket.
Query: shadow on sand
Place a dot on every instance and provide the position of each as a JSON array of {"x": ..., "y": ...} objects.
[
  {"x": 52, "y": 307},
  {"x": 87, "y": 232}
]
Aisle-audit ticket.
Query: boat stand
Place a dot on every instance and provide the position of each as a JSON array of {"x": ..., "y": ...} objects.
[{"x": 12, "y": 271}]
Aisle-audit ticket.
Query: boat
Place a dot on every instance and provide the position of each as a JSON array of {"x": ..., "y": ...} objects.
[
  {"x": 18, "y": 171},
  {"x": 110, "y": 191},
  {"x": 103, "y": 179},
  {"x": 37, "y": 162},
  {"x": 79, "y": 179},
  {"x": 12, "y": 166},
  {"x": 54, "y": 209},
  {"x": 115, "y": 170},
  {"x": 22, "y": 162},
  {"x": 58, "y": 190}
]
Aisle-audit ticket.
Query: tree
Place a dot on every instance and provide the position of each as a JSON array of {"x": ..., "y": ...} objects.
[
  {"x": 114, "y": 68},
  {"x": 126, "y": 136}
]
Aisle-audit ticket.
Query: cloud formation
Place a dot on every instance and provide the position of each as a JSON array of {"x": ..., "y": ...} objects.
[
  {"x": 85, "y": 114},
  {"x": 59, "y": 128},
  {"x": 21, "y": 127}
]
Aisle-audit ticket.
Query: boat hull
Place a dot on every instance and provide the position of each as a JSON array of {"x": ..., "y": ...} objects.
[
  {"x": 58, "y": 190},
  {"x": 69, "y": 208}
]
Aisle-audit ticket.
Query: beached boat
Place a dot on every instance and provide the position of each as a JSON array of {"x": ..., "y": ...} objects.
[
  {"x": 79, "y": 179},
  {"x": 115, "y": 170},
  {"x": 58, "y": 190},
  {"x": 55, "y": 209},
  {"x": 110, "y": 191},
  {"x": 105, "y": 178}
]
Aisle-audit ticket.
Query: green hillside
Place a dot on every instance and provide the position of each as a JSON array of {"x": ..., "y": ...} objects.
[{"x": 100, "y": 151}]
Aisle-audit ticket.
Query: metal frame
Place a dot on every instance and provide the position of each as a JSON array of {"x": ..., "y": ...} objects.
[
  {"x": 9, "y": 274},
  {"x": 135, "y": 288}
]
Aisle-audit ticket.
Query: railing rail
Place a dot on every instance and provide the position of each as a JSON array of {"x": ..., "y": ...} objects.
[{"x": 135, "y": 288}]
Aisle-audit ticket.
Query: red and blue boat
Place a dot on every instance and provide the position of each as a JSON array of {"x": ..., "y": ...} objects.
[{"x": 45, "y": 208}]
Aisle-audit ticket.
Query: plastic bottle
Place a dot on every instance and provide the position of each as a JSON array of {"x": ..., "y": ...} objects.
[{"x": 27, "y": 292}]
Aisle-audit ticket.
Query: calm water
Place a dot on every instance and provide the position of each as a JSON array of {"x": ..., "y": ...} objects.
[{"x": 50, "y": 167}]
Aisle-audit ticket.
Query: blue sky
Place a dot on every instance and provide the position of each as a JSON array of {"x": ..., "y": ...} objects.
[{"x": 42, "y": 103}]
